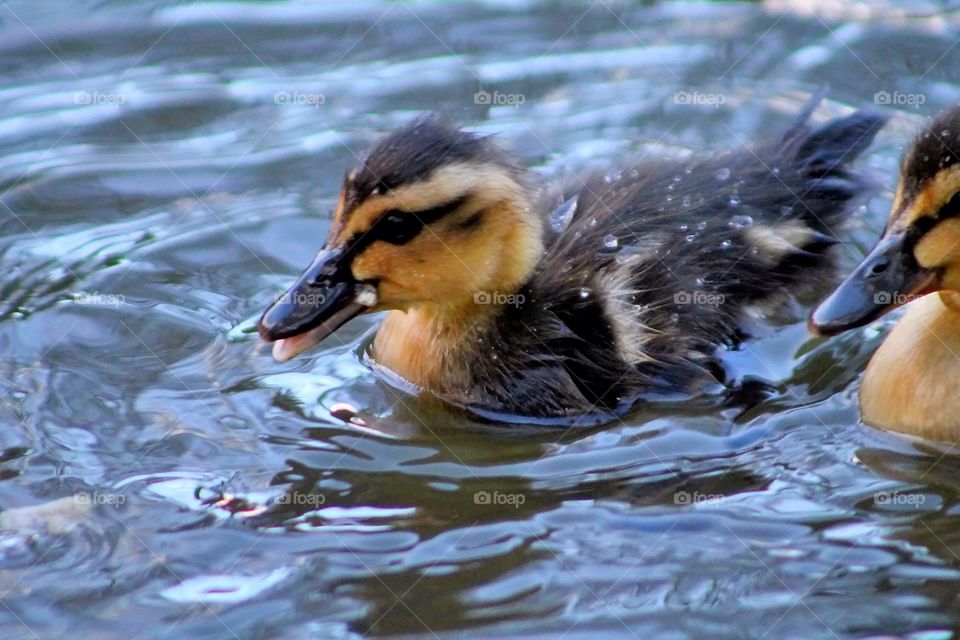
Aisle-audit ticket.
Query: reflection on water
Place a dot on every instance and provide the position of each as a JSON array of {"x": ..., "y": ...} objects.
[{"x": 167, "y": 168}]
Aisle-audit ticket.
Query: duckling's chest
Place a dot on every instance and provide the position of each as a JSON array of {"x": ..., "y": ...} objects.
[{"x": 910, "y": 385}]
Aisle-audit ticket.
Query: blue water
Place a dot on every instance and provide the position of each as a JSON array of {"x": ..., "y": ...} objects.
[{"x": 167, "y": 168}]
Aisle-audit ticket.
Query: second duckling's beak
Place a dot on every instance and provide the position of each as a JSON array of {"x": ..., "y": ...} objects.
[
  {"x": 324, "y": 297},
  {"x": 887, "y": 278}
]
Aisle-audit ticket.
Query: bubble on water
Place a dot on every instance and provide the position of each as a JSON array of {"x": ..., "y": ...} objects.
[
  {"x": 677, "y": 178},
  {"x": 610, "y": 241},
  {"x": 723, "y": 174}
]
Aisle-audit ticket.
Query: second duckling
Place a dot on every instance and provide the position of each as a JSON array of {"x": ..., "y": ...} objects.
[{"x": 910, "y": 383}]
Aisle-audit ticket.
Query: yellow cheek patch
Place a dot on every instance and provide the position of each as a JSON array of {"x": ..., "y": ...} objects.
[
  {"x": 940, "y": 246},
  {"x": 373, "y": 262}
]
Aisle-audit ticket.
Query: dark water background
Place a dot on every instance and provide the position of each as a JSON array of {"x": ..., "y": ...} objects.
[{"x": 166, "y": 168}]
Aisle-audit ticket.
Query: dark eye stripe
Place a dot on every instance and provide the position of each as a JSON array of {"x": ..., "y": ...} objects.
[
  {"x": 429, "y": 216},
  {"x": 951, "y": 209},
  {"x": 400, "y": 227}
]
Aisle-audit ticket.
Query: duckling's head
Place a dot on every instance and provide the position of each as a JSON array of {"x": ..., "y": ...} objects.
[
  {"x": 919, "y": 251},
  {"x": 431, "y": 216}
]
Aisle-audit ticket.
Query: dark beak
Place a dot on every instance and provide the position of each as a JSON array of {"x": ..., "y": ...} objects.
[
  {"x": 887, "y": 278},
  {"x": 324, "y": 298}
]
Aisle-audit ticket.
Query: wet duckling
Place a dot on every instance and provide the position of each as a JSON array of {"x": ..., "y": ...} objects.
[
  {"x": 519, "y": 307},
  {"x": 910, "y": 383}
]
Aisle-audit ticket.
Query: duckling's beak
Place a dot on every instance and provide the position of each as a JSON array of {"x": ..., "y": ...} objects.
[
  {"x": 324, "y": 297},
  {"x": 887, "y": 278}
]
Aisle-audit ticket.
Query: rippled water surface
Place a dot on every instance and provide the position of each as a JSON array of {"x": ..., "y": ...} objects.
[{"x": 167, "y": 168}]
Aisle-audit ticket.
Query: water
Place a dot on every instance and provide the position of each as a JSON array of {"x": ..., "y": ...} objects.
[{"x": 167, "y": 168}]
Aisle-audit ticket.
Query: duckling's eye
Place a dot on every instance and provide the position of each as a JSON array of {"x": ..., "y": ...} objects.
[
  {"x": 400, "y": 227},
  {"x": 879, "y": 267},
  {"x": 397, "y": 227}
]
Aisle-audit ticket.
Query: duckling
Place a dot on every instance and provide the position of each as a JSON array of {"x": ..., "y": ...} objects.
[
  {"x": 518, "y": 307},
  {"x": 908, "y": 385}
]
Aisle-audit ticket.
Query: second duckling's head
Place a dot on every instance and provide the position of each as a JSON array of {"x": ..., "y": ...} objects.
[
  {"x": 919, "y": 251},
  {"x": 431, "y": 216}
]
